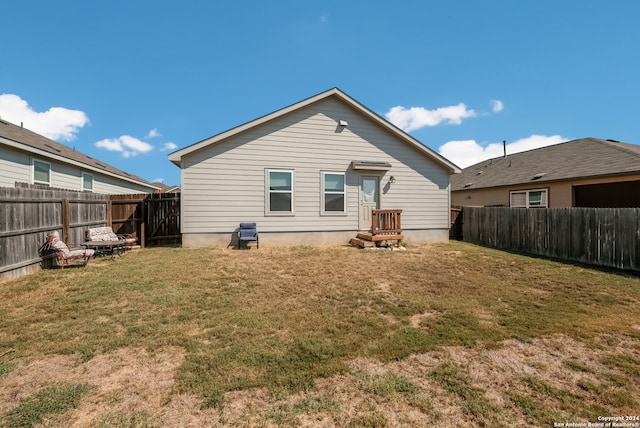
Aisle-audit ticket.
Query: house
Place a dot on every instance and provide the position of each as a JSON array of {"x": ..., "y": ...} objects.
[
  {"x": 27, "y": 157},
  {"x": 311, "y": 173},
  {"x": 588, "y": 172}
]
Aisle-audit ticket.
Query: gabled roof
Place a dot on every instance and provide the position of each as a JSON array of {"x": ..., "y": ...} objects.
[
  {"x": 583, "y": 158},
  {"x": 176, "y": 157},
  {"x": 26, "y": 140}
]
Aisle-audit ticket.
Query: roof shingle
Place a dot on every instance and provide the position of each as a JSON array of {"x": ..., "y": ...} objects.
[
  {"x": 29, "y": 138},
  {"x": 586, "y": 157}
]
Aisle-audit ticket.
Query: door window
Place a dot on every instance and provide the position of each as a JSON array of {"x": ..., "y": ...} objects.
[{"x": 369, "y": 190}]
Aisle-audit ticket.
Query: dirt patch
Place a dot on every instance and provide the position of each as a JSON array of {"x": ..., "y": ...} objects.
[
  {"x": 131, "y": 383},
  {"x": 124, "y": 384}
]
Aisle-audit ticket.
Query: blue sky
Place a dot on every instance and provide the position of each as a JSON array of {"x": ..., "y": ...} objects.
[{"x": 127, "y": 82}]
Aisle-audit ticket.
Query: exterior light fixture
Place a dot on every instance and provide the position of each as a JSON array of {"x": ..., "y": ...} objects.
[
  {"x": 343, "y": 123},
  {"x": 392, "y": 180}
]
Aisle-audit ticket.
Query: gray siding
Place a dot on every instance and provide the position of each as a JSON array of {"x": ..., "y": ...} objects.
[
  {"x": 224, "y": 183},
  {"x": 15, "y": 166}
]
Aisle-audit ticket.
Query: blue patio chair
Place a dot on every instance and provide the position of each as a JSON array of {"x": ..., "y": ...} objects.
[{"x": 248, "y": 232}]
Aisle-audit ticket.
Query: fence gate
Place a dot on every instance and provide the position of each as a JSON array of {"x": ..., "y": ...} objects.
[
  {"x": 162, "y": 219},
  {"x": 153, "y": 219},
  {"x": 455, "y": 232}
]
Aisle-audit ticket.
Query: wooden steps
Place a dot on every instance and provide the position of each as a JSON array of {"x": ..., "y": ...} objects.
[
  {"x": 362, "y": 243},
  {"x": 369, "y": 240},
  {"x": 385, "y": 226}
]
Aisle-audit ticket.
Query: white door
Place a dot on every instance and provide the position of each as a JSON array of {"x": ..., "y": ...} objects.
[{"x": 369, "y": 199}]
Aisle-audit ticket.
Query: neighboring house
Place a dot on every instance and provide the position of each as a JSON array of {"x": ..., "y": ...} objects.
[
  {"x": 27, "y": 157},
  {"x": 588, "y": 172},
  {"x": 163, "y": 188},
  {"x": 310, "y": 173}
]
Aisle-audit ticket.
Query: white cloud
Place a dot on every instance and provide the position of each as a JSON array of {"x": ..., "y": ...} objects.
[
  {"x": 418, "y": 117},
  {"x": 168, "y": 146},
  {"x": 126, "y": 144},
  {"x": 154, "y": 133},
  {"x": 468, "y": 152},
  {"x": 497, "y": 106},
  {"x": 57, "y": 123},
  {"x": 463, "y": 152}
]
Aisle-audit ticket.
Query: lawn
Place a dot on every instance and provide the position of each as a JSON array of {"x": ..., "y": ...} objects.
[{"x": 447, "y": 335}]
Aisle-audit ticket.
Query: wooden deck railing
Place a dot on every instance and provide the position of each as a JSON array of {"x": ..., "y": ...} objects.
[{"x": 386, "y": 222}]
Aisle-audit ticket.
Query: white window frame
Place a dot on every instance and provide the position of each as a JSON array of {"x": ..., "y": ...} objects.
[
  {"x": 268, "y": 192},
  {"x": 86, "y": 174},
  {"x": 33, "y": 172},
  {"x": 527, "y": 193},
  {"x": 324, "y": 192}
]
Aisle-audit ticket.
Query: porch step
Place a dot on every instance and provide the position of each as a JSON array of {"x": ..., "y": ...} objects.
[
  {"x": 362, "y": 243},
  {"x": 368, "y": 236}
]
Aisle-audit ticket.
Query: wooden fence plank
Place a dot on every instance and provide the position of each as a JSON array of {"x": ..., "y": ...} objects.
[
  {"x": 600, "y": 236},
  {"x": 29, "y": 214}
]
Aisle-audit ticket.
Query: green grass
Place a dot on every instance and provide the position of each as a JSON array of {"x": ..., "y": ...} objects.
[
  {"x": 7, "y": 367},
  {"x": 455, "y": 381},
  {"x": 568, "y": 402},
  {"x": 52, "y": 400},
  {"x": 388, "y": 384},
  {"x": 280, "y": 318},
  {"x": 139, "y": 420}
]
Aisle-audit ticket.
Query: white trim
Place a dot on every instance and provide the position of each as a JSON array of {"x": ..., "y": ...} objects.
[
  {"x": 544, "y": 202},
  {"x": 33, "y": 171},
  {"x": 323, "y": 192},
  {"x": 364, "y": 219},
  {"x": 268, "y": 192},
  {"x": 83, "y": 175}
]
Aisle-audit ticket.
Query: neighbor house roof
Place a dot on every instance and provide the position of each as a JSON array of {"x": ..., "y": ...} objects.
[
  {"x": 583, "y": 158},
  {"x": 176, "y": 157},
  {"x": 23, "y": 139}
]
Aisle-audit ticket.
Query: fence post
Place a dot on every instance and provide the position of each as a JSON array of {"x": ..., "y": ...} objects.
[
  {"x": 66, "y": 220},
  {"x": 143, "y": 221},
  {"x": 109, "y": 215}
]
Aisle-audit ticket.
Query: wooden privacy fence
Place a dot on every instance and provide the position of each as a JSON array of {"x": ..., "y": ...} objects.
[
  {"x": 27, "y": 215},
  {"x": 153, "y": 219},
  {"x": 607, "y": 237}
]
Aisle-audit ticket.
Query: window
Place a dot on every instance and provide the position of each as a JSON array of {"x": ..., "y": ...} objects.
[
  {"x": 87, "y": 182},
  {"x": 333, "y": 193},
  {"x": 529, "y": 199},
  {"x": 41, "y": 172},
  {"x": 279, "y": 191}
]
